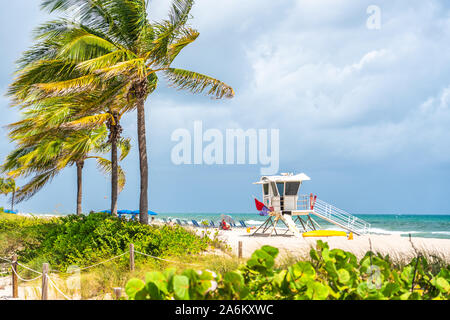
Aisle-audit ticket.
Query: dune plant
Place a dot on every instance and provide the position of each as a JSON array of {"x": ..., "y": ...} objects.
[{"x": 331, "y": 274}]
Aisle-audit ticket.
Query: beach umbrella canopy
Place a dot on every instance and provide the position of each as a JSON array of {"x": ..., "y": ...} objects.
[
  {"x": 227, "y": 218},
  {"x": 124, "y": 212},
  {"x": 150, "y": 213},
  {"x": 11, "y": 211}
]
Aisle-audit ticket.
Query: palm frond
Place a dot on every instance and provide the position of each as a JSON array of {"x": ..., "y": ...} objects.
[
  {"x": 69, "y": 86},
  {"x": 198, "y": 83},
  {"x": 35, "y": 185},
  {"x": 105, "y": 61},
  {"x": 90, "y": 121},
  {"x": 125, "y": 147},
  {"x": 105, "y": 166},
  {"x": 85, "y": 46},
  {"x": 188, "y": 36}
]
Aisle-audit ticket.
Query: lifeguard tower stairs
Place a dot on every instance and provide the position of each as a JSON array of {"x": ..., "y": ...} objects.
[{"x": 281, "y": 195}]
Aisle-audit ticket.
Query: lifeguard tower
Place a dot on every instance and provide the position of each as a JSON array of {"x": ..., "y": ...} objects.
[{"x": 281, "y": 195}]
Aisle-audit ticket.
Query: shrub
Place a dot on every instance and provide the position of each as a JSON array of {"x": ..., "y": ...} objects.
[{"x": 84, "y": 240}]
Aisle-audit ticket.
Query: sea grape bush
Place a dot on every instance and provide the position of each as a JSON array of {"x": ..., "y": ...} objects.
[
  {"x": 85, "y": 240},
  {"x": 330, "y": 274}
]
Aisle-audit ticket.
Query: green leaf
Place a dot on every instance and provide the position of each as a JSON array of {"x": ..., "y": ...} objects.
[
  {"x": 262, "y": 260},
  {"x": 316, "y": 291},
  {"x": 270, "y": 250},
  {"x": 362, "y": 290},
  {"x": 407, "y": 274},
  {"x": 442, "y": 284},
  {"x": 343, "y": 276},
  {"x": 235, "y": 282},
  {"x": 158, "y": 279},
  {"x": 313, "y": 254},
  {"x": 181, "y": 287},
  {"x": 133, "y": 286},
  {"x": 390, "y": 289}
]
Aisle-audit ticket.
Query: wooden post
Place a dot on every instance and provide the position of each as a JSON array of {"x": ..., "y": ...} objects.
[
  {"x": 240, "y": 249},
  {"x": 15, "y": 282},
  {"x": 44, "y": 295},
  {"x": 117, "y": 293},
  {"x": 131, "y": 257}
]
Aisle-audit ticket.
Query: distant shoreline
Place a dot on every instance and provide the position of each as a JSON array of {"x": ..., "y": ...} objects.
[{"x": 442, "y": 231}]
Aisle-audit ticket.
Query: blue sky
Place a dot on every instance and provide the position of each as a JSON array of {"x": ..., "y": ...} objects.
[{"x": 365, "y": 113}]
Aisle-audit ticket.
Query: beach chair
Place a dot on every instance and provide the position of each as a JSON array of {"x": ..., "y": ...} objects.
[
  {"x": 243, "y": 224},
  {"x": 211, "y": 223},
  {"x": 179, "y": 222},
  {"x": 165, "y": 220},
  {"x": 186, "y": 222},
  {"x": 195, "y": 223},
  {"x": 233, "y": 225}
]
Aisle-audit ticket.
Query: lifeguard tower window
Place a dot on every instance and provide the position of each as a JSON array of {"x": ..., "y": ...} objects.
[
  {"x": 274, "y": 189},
  {"x": 266, "y": 189},
  {"x": 292, "y": 188},
  {"x": 280, "y": 186}
]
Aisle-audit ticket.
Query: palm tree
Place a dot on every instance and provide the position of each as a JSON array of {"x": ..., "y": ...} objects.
[
  {"x": 111, "y": 118},
  {"x": 48, "y": 115},
  {"x": 46, "y": 156},
  {"x": 7, "y": 186},
  {"x": 113, "y": 41}
]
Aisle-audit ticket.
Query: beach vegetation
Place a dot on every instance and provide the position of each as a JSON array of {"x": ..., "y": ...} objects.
[
  {"x": 86, "y": 240},
  {"x": 328, "y": 275}
]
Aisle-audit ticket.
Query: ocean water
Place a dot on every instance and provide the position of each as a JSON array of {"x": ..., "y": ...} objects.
[{"x": 425, "y": 226}]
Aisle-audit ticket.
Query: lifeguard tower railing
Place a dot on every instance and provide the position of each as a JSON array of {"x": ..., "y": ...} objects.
[{"x": 334, "y": 215}]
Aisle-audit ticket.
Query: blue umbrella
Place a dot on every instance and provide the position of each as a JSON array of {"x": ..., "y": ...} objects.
[
  {"x": 149, "y": 212},
  {"x": 10, "y": 211}
]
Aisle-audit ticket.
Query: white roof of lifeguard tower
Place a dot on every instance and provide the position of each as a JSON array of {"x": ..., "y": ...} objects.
[{"x": 285, "y": 177}]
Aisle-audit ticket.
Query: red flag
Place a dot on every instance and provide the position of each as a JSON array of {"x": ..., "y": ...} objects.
[{"x": 259, "y": 205}]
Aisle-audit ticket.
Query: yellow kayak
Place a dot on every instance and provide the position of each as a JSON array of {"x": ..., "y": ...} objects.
[{"x": 325, "y": 233}]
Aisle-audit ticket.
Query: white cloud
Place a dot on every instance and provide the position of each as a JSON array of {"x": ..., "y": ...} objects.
[{"x": 333, "y": 87}]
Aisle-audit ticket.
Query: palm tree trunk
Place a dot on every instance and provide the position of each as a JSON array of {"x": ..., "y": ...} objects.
[
  {"x": 143, "y": 162},
  {"x": 80, "y": 165},
  {"x": 114, "y": 169},
  {"x": 12, "y": 200}
]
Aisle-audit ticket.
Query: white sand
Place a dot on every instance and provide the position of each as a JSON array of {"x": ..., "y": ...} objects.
[{"x": 398, "y": 248}]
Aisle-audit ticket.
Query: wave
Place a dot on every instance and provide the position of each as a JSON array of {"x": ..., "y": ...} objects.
[
  {"x": 441, "y": 232},
  {"x": 254, "y": 222},
  {"x": 380, "y": 231},
  {"x": 392, "y": 232}
]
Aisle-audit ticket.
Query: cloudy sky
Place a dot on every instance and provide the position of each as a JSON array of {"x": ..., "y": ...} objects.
[{"x": 364, "y": 112}]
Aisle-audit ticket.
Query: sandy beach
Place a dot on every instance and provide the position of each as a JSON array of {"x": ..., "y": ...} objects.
[{"x": 398, "y": 248}]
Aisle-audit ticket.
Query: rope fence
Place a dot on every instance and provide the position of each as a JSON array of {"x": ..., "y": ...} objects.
[
  {"x": 158, "y": 258},
  {"x": 29, "y": 268},
  {"x": 97, "y": 264},
  {"x": 57, "y": 289},
  {"x": 22, "y": 279},
  {"x": 46, "y": 279}
]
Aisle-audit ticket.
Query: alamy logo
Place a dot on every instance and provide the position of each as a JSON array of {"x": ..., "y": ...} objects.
[
  {"x": 374, "y": 20},
  {"x": 236, "y": 146}
]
